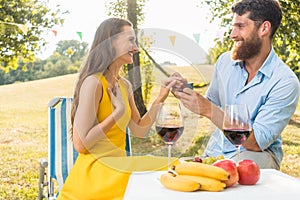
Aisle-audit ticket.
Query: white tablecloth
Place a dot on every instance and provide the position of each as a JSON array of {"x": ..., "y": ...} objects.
[{"x": 272, "y": 185}]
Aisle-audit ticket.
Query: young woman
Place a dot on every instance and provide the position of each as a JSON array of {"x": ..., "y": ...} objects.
[{"x": 104, "y": 107}]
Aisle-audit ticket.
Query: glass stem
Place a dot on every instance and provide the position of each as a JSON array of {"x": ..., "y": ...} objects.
[
  {"x": 238, "y": 152},
  {"x": 169, "y": 156}
]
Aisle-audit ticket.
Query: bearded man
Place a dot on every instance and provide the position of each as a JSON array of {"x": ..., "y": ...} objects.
[{"x": 250, "y": 74}]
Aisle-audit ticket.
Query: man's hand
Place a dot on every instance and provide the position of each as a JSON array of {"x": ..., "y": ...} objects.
[
  {"x": 180, "y": 83},
  {"x": 190, "y": 99}
]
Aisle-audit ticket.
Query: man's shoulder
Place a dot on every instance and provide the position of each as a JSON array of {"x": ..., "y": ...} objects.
[
  {"x": 281, "y": 68},
  {"x": 225, "y": 55},
  {"x": 224, "y": 60}
]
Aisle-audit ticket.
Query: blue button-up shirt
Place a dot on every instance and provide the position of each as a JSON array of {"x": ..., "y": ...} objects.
[{"x": 271, "y": 96}]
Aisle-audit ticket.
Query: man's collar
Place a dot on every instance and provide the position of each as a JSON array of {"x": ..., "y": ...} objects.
[{"x": 265, "y": 69}]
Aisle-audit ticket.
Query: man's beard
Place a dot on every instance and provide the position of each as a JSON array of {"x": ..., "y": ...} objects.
[{"x": 248, "y": 49}]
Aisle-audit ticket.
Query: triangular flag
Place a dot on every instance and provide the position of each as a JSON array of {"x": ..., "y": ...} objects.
[
  {"x": 80, "y": 35},
  {"x": 172, "y": 39},
  {"x": 23, "y": 28},
  {"x": 54, "y": 31},
  {"x": 197, "y": 37}
]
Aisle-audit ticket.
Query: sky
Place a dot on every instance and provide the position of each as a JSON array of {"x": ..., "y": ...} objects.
[{"x": 184, "y": 17}]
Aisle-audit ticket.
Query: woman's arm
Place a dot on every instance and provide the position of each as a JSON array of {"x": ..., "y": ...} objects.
[
  {"x": 138, "y": 125},
  {"x": 86, "y": 128}
]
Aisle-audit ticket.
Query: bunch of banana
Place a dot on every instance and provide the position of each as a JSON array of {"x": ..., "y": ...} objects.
[
  {"x": 207, "y": 184},
  {"x": 201, "y": 169},
  {"x": 173, "y": 182},
  {"x": 190, "y": 183},
  {"x": 195, "y": 176}
]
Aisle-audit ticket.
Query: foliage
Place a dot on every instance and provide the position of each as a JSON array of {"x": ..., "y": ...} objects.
[
  {"x": 72, "y": 49},
  {"x": 133, "y": 10},
  {"x": 285, "y": 42},
  {"x": 15, "y": 43},
  {"x": 66, "y": 59},
  {"x": 147, "y": 70},
  {"x": 118, "y": 8}
]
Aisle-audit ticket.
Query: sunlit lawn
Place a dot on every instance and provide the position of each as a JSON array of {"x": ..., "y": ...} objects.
[{"x": 23, "y": 133}]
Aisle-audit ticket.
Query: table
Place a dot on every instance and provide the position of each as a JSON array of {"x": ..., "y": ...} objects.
[{"x": 272, "y": 185}]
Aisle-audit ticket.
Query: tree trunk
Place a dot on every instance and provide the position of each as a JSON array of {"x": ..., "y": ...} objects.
[{"x": 134, "y": 73}]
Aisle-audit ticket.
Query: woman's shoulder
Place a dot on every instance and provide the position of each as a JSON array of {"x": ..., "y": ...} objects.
[
  {"x": 91, "y": 88},
  {"x": 125, "y": 81},
  {"x": 91, "y": 81},
  {"x": 127, "y": 85}
]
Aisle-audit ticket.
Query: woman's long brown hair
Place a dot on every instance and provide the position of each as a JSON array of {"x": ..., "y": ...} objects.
[{"x": 100, "y": 56}]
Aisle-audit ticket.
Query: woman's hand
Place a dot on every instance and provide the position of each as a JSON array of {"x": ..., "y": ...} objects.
[
  {"x": 165, "y": 88},
  {"x": 180, "y": 82},
  {"x": 117, "y": 101}
]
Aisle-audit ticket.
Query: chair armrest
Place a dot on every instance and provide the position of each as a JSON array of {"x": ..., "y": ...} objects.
[{"x": 42, "y": 183}]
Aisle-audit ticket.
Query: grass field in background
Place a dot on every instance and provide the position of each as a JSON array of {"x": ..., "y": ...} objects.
[{"x": 23, "y": 133}]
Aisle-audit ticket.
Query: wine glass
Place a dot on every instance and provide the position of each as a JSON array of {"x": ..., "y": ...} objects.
[
  {"x": 237, "y": 125},
  {"x": 169, "y": 125}
]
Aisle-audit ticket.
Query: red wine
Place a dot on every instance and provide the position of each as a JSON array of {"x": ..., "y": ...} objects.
[
  {"x": 237, "y": 137},
  {"x": 170, "y": 134}
]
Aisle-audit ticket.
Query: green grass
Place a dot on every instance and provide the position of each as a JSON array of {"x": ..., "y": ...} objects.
[{"x": 23, "y": 134}]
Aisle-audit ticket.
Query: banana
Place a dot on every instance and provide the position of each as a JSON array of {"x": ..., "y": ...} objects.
[
  {"x": 173, "y": 182},
  {"x": 207, "y": 184},
  {"x": 201, "y": 169}
]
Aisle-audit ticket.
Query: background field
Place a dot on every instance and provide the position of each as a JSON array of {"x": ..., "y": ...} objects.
[{"x": 23, "y": 132}]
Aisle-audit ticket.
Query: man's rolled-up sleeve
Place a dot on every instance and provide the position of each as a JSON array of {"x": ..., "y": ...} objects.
[{"x": 275, "y": 113}]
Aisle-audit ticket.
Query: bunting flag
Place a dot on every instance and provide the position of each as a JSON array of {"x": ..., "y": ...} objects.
[
  {"x": 24, "y": 30},
  {"x": 54, "y": 32},
  {"x": 172, "y": 39},
  {"x": 197, "y": 37},
  {"x": 23, "y": 27},
  {"x": 80, "y": 35}
]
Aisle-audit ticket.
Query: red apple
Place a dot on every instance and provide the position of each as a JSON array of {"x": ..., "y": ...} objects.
[
  {"x": 249, "y": 172},
  {"x": 231, "y": 168}
]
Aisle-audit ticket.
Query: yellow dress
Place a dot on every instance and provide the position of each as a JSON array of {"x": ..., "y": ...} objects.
[{"x": 90, "y": 178}]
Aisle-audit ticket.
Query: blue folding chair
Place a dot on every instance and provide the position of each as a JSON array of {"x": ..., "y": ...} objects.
[{"x": 61, "y": 152}]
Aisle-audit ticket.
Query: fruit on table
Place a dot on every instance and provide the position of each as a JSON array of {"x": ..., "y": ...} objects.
[
  {"x": 207, "y": 160},
  {"x": 231, "y": 167},
  {"x": 207, "y": 184},
  {"x": 201, "y": 169},
  {"x": 249, "y": 172},
  {"x": 173, "y": 182},
  {"x": 197, "y": 159}
]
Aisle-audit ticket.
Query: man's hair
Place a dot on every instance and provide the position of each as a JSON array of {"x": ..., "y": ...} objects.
[{"x": 260, "y": 11}]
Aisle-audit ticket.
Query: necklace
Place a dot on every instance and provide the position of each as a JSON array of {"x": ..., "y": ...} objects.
[{"x": 115, "y": 78}]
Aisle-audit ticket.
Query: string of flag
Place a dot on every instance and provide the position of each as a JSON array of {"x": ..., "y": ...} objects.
[
  {"x": 172, "y": 38},
  {"x": 24, "y": 28}
]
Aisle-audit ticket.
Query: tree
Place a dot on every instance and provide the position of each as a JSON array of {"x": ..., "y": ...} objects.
[
  {"x": 72, "y": 49},
  {"x": 21, "y": 25},
  {"x": 134, "y": 69},
  {"x": 132, "y": 10},
  {"x": 59, "y": 68},
  {"x": 285, "y": 41}
]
